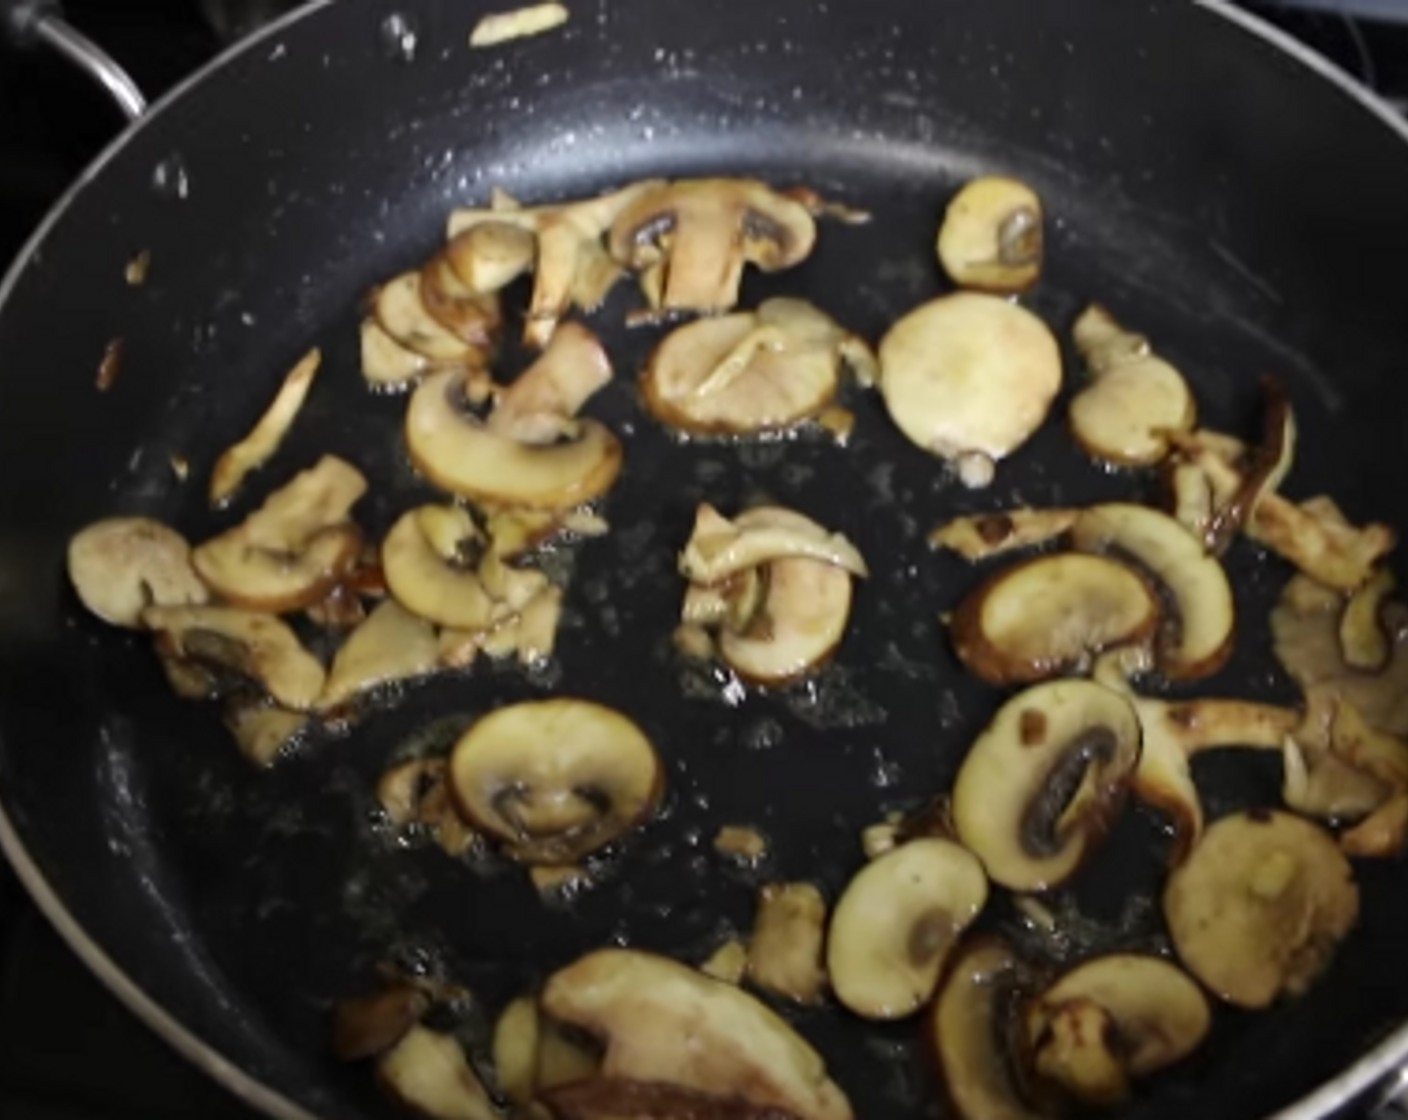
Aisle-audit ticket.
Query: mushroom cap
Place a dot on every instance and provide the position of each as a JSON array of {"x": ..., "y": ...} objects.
[
  {"x": 991, "y": 236},
  {"x": 122, "y": 565}
]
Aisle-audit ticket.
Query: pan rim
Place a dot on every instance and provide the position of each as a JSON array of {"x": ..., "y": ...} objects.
[{"x": 1387, "y": 1061}]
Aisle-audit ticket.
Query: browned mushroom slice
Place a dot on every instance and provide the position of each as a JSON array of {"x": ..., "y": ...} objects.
[
  {"x": 784, "y": 957},
  {"x": 391, "y": 645},
  {"x": 473, "y": 317},
  {"x": 991, "y": 237},
  {"x": 295, "y": 548},
  {"x": 1380, "y": 835},
  {"x": 122, "y": 565},
  {"x": 719, "y": 548},
  {"x": 729, "y": 962},
  {"x": 1043, "y": 616},
  {"x": 399, "y": 307},
  {"x": 416, "y": 793},
  {"x": 897, "y": 923},
  {"x": 1364, "y": 644},
  {"x": 1196, "y": 638},
  {"x": 490, "y": 254},
  {"x": 255, "y": 647},
  {"x": 985, "y": 535},
  {"x": 969, "y": 378},
  {"x": 428, "y": 1073},
  {"x": 366, "y": 1026},
  {"x": 262, "y": 731},
  {"x": 1134, "y": 400},
  {"x": 638, "y": 1006},
  {"x": 457, "y": 452},
  {"x": 429, "y": 559},
  {"x": 537, "y": 408},
  {"x": 1115, "y": 1018},
  {"x": 1043, "y": 781},
  {"x": 555, "y": 780},
  {"x": 1259, "y": 907},
  {"x": 1368, "y": 749},
  {"x": 700, "y": 233},
  {"x": 605, "y": 1098},
  {"x": 268, "y": 432}
]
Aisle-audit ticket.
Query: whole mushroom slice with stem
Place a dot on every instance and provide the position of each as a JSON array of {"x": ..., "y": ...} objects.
[
  {"x": 1044, "y": 616},
  {"x": 391, "y": 645},
  {"x": 399, "y": 309},
  {"x": 756, "y": 371},
  {"x": 785, "y": 954},
  {"x": 694, "y": 236},
  {"x": 428, "y": 1073},
  {"x": 638, "y": 1006},
  {"x": 1113, "y": 1019},
  {"x": 982, "y": 536},
  {"x": 897, "y": 923},
  {"x": 1134, "y": 399},
  {"x": 1041, "y": 784},
  {"x": 120, "y": 566},
  {"x": 991, "y": 238},
  {"x": 295, "y": 548},
  {"x": 555, "y": 780},
  {"x": 256, "y": 448},
  {"x": 537, "y": 408},
  {"x": 969, "y": 378},
  {"x": 1259, "y": 907}
]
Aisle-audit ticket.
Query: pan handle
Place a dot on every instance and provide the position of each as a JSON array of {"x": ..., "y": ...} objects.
[{"x": 27, "y": 22}]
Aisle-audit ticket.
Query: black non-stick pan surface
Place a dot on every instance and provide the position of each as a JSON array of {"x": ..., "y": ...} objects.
[{"x": 1243, "y": 209}]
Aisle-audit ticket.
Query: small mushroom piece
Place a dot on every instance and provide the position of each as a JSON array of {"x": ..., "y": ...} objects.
[
  {"x": 896, "y": 924},
  {"x": 537, "y": 408},
  {"x": 741, "y": 843},
  {"x": 785, "y": 956},
  {"x": 1134, "y": 399},
  {"x": 428, "y": 1073},
  {"x": 428, "y": 583},
  {"x": 295, "y": 548},
  {"x": 985, "y": 535},
  {"x": 1147, "y": 1015},
  {"x": 400, "y": 310},
  {"x": 719, "y": 549},
  {"x": 729, "y": 962},
  {"x": 606, "y": 1098},
  {"x": 639, "y": 1006},
  {"x": 1368, "y": 749},
  {"x": 1380, "y": 835},
  {"x": 370, "y": 1025},
  {"x": 969, "y": 374},
  {"x": 472, "y": 316},
  {"x": 458, "y": 453},
  {"x": 991, "y": 236},
  {"x": 387, "y": 365},
  {"x": 1040, "y": 617},
  {"x": 416, "y": 793},
  {"x": 1196, "y": 638},
  {"x": 268, "y": 432},
  {"x": 1043, "y": 781},
  {"x": 122, "y": 565},
  {"x": 1259, "y": 907},
  {"x": 518, "y": 23},
  {"x": 515, "y": 1050},
  {"x": 262, "y": 731},
  {"x": 1364, "y": 644},
  {"x": 490, "y": 254},
  {"x": 700, "y": 233},
  {"x": 554, "y": 780},
  {"x": 255, "y": 647}
]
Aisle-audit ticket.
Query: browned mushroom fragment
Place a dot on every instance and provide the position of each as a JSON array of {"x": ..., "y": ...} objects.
[
  {"x": 606, "y": 1098},
  {"x": 515, "y": 1051},
  {"x": 428, "y": 1073},
  {"x": 365, "y": 1026},
  {"x": 122, "y": 565},
  {"x": 262, "y": 731},
  {"x": 1364, "y": 643},
  {"x": 491, "y": 253},
  {"x": 388, "y": 366},
  {"x": 473, "y": 317},
  {"x": 696, "y": 236},
  {"x": 719, "y": 549},
  {"x": 985, "y": 535},
  {"x": 416, "y": 793},
  {"x": 268, "y": 432},
  {"x": 784, "y": 956},
  {"x": 399, "y": 307},
  {"x": 991, "y": 236},
  {"x": 538, "y": 406},
  {"x": 729, "y": 962},
  {"x": 742, "y": 843}
]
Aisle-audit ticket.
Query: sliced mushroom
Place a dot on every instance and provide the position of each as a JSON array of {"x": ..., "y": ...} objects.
[
  {"x": 515, "y": 1049},
  {"x": 1134, "y": 399},
  {"x": 897, "y": 923},
  {"x": 1190, "y": 498},
  {"x": 1196, "y": 636},
  {"x": 490, "y": 254},
  {"x": 428, "y": 1073},
  {"x": 1043, "y": 781},
  {"x": 369, "y": 1025},
  {"x": 699, "y": 233},
  {"x": 458, "y": 452},
  {"x": 538, "y": 406},
  {"x": 1043, "y": 616},
  {"x": 1365, "y": 748},
  {"x": 295, "y": 548},
  {"x": 1147, "y": 1015},
  {"x": 729, "y": 962},
  {"x": 268, "y": 432},
  {"x": 437, "y": 584},
  {"x": 472, "y": 316},
  {"x": 639, "y": 1006},
  {"x": 784, "y": 957},
  {"x": 386, "y": 364},
  {"x": 555, "y": 780},
  {"x": 760, "y": 371},
  {"x": 1264, "y": 469},
  {"x": 969, "y": 375},
  {"x": 747, "y": 845},
  {"x": 985, "y": 535},
  {"x": 719, "y": 548},
  {"x": 256, "y": 647},
  {"x": 416, "y": 793},
  {"x": 1380, "y": 835},
  {"x": 262, "y": 731},
  {"x": 518, "y": 23},
  {"x": 991, "y": 237},
  {"x": 606, "y": 1098},
  {"x": 1364, "y": 644},
  {"x": 565, "y": 1056},
  {"x": 1260, "y": 905},
  {"x": 122, "y": 565},
  {"x": 400, "y": 310}
]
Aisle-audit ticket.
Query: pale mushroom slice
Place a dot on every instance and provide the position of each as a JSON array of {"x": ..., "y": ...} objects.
[
  {"x": 991, "y": 236},
  {"x": 896, "y": 924},
  {"x": 1364, "y": 643},
  {"x": 608, "y": 1098},
  {"x": 982, "y": 536},
  {"x": 1114, "y": 1018},
  {"x": 1049, "y": 614},
  {"x": 416, "y": 793},
  {"x": 391, "y": 645},
  {"x": 120, "y": 566},
  {"x": 638, "y": 1006},
  {"x": 719, "y": 548},
  {"x": 969, "y": 377},
  {"x": 457, "y": 452},
  {"x": 491, "y": 254},
  {"x": 439, "y": 584},
  {"x": 698, "y": 234},
  {"x": 1196, "y": 637},
  {"x": 1189, "y": 497},
  {"x": 729, "y": 962},
  {"x": 1044, "y": 780},
  {"x": 366, "y": 1026},
  {"x": 255, "y": 647},
  {"x": 268, "y": 432},
  {"x": 1259, "y": 907},
  {"x": 515, "y": 1051},
  {"x": 538, "y": 406},
  {"x": 261, "y": 731},
  {"x": 554, "y": 780},
  {"x": 760, "y": 371},
  {"x": 399, "y": 309},
  {"x": 428, "y": 1073},
  {"x": 1134, "y": 400},
  {"x": 295, "y": 548},
  {"x": 388, "y": 366},
  {"x": 785, "y": 954}
]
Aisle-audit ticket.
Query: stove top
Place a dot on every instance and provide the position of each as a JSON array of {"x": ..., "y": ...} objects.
[{"x": 68, "y": 1050}]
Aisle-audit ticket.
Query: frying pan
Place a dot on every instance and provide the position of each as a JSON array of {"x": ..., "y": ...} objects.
[{"x": 1227, "y": 193}]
